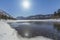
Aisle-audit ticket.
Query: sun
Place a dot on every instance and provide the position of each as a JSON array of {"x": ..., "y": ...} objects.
[{"x": 26, "y": 4}]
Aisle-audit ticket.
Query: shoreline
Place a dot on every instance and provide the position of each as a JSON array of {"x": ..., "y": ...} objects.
[{"x": 45, "y": 20}]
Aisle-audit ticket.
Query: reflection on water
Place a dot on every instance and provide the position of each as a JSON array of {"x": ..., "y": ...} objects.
[
  {"x": 33, "y": 29},
  {"x": 57, "y": 26}
]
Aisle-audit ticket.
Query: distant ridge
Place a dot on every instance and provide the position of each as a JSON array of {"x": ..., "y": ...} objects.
[{"x": 55, "y": 15}]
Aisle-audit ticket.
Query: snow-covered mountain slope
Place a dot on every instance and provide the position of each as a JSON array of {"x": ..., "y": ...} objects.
[{"x": 2, "y": 12}]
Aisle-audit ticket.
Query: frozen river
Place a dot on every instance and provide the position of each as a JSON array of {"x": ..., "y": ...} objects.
[{"x": 49, "y": 30}]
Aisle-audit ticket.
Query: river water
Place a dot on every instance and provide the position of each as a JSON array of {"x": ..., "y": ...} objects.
[{"x": 34, "y": 29}]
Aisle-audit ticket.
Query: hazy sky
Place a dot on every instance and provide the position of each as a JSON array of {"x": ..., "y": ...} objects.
[{"x": 15, "y": 7}]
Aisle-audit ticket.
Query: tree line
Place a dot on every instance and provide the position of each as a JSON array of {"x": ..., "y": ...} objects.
[{"x": 57, "y": 14}]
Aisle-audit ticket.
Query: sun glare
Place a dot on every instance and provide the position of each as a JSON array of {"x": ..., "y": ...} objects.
[{"x": 26, "y": 4}]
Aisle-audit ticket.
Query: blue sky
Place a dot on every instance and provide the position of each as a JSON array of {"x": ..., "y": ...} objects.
[{"x": 14, "y": 7}]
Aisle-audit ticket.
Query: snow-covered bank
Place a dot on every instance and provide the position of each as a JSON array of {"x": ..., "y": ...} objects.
[
  {"x": 7, "y": 33},
  {"x": 41, "y": 20}
]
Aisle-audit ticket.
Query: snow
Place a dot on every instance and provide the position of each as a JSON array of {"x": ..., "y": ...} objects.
[
  {"x": 7, "y": 33},
  {"x": 36, "y": 38},
  {"x": 41, "y": 20}
]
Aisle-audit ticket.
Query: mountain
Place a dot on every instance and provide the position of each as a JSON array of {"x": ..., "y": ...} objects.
[
  {"x": 21, "y": 18},
  {"x": 48, "y": 16},
  {"x": 5, "y": 15}
]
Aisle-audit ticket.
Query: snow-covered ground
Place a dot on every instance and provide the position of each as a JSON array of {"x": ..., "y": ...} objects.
[
  {"x": 41, "y": 20},
  {"x": 7, "y": 33}
]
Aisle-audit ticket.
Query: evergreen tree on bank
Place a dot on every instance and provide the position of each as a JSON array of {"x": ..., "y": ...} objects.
[{"x": 57, "y": 14}]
